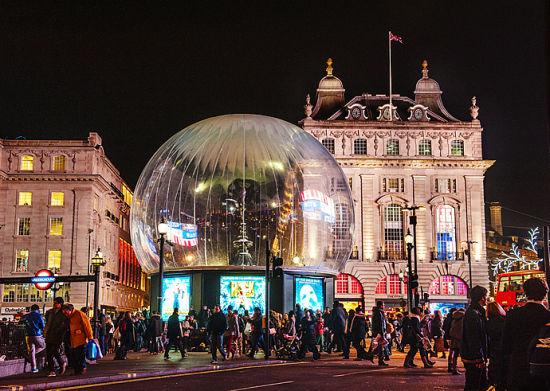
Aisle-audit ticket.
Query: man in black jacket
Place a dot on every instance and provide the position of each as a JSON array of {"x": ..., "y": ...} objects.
[
  {"x": 216, "y": 328},
  {"x": 473, "y": 348},
  {"x": 379, "y": 324},
  {"x": 359, "y": 332},
  {"x": 57, "y": 325},
  {"x": 338, "y": 323},
  {"x": 520, "y": 327},
  {"x": 174, "y": 334}
]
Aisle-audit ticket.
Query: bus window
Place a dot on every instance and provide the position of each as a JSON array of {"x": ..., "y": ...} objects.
[
  {"x": 503, "y": 284},
  {"x": 516, "y": 283}
]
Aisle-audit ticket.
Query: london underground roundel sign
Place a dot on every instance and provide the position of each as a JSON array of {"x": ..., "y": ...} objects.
[{"x": 43, "y": 279}]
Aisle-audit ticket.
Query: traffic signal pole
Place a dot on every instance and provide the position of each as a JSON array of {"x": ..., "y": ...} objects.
[
  {"x": 267, "y": 297},
  {"x": 546, "y": 254}
]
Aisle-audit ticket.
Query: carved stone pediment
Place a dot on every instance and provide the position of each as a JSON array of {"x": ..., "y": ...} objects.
[{"x": 465, "y": 135}]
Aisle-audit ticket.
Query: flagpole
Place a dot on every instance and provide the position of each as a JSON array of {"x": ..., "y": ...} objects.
[{"x": 389, "y": 54}]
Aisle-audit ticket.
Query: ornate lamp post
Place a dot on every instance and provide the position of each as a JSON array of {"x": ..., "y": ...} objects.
[
  {"x": 466, "y": 247},
  {"x": 409, "y": 241},
  {"x": 97, "y": 262},
  {"x": 162, "y": 230}
]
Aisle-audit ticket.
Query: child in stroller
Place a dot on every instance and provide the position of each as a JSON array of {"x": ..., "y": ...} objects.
[{"x": 288, "y": 347}]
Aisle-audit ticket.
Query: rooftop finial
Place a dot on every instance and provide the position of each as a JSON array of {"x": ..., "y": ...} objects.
[
  {"x": 425, "y": 69},
  {"x": 329, "y": 67},
  {"x": 308, "y": 107},
  {"x": 474, "y": 110}
]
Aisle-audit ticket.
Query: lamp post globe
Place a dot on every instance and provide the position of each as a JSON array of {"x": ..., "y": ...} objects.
[{"x": 97, "y": 262}]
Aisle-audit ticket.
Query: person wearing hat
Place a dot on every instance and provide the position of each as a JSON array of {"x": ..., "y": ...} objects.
[{"x": 474, "y": 344}]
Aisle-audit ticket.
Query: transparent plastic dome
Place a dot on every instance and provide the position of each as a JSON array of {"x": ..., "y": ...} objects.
[{"x": 230, "y": 185}]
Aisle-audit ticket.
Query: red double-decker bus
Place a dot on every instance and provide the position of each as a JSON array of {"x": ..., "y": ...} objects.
[{"x": 510, "y": 287}]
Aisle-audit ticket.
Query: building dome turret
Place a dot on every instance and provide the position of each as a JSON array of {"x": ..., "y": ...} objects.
[
  {"x": 330, "y": 94},
  {"x": 428, "y": 93}
]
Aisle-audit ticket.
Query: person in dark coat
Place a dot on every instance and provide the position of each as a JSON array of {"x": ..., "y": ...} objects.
[
  {"x": 308, "y": 336},
  {"x": 379, "y": 325},
  {"x": 299, "y": 314},
  {"x": 358, "y": 330},
  {"x": 127, "y": 336},
  {"x": 521, "y": 326},
  {"x": 174, "y": 334},
  {"x": 57, "y": 325},
  {"x": 202, "y": 318},
  {"x": 495, "y": 325},
  {"x": 436, "y": 329},
  {"x": 256, "y": 336},
  {"x": 338, "y": 323},
  {"x": 412, "y": 336},
  {"x": 474, "y": 344},
  {"x": 216, "y": 328},
  {"x": 447, "y": 336},
  {"x": 154, "y": 333}
]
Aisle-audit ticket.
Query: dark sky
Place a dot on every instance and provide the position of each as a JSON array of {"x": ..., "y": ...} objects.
[{"x": 138, "y": 73}]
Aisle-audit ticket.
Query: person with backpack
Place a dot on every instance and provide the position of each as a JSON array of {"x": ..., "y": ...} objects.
[
  {"x": 522, "y": 325},
  {"x": 455, "y": 337}
]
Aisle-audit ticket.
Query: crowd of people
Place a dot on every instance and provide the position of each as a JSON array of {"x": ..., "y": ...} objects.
[{"x": 496, "y": 347}]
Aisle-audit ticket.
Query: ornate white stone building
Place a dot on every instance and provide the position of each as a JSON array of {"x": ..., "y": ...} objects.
[
  {"x": 419, "y": 155},
  {"x": 59, "y": 201}
]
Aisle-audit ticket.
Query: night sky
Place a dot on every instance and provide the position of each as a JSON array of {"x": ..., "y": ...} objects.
[{"x": 137, "y": 73}]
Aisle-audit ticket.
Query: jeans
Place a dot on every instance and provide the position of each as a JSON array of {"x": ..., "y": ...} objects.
[
  {"x": 79, "y": 359},
  {"x": 476, "y": 378},
  {"x": 339, "y": 339},
  {"x": 216, "y": 343},
  {"x": 53, "y": 353},
  {"x": 35, "y": 346}
]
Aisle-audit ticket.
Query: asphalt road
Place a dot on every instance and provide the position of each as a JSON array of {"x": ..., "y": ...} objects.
[{"x": 327, "y": 374}]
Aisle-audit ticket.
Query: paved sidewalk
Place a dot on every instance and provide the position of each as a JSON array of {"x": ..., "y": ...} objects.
[{"x": 138, "y": 365}]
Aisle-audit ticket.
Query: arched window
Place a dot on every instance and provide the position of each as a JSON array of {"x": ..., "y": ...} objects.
[
  {"x": 328, "y": 143},
  {"x": 392, "y": 285},
  {"x": 445, "y": 233},
  {"x": 27, "y": 163},
  {"x": 457, "y": 148},
  {"x": 425, "y": 147},
  {"x": 448, "y": 285},
  {"x": 393, "y": 232},
  {"x": 392, "y": 147},
  {"x": 360, "y": 146},
  {"x": 348, "y": 284},
  {"x": 58, "y": 163}
]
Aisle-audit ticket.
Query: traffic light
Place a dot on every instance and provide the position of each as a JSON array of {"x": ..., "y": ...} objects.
[
  {"x": 277, "y": 267},
  {"x": 414, "y": 282},
  {"x": 426, "y": 297}
]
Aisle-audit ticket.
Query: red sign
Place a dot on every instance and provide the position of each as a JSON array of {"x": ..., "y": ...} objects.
[{"x": 43, "y": 279}]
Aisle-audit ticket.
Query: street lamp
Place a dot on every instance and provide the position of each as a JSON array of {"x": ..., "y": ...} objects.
[
  {"x": 466, "y": 247},
  {"x": 409, "y": 241},
  {"x": 97, "y": 261},
  {"x": 162, "y": 230}
]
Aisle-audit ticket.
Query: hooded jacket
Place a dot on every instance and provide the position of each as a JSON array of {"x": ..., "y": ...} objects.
[{"x": 474, "y": 344}]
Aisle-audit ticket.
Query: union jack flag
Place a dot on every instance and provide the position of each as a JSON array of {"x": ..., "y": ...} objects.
[{"x": 394, "y": 37}]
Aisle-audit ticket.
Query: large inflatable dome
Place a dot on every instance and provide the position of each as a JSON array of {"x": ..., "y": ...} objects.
[{"x": 231, "y": 185}]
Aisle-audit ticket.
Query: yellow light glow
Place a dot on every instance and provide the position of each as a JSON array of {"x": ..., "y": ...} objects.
[
  {"x": 276, "y": 165},
  {"x": 25, "y": 198},
  {"x": 201, "y": 187},
  {"x": 57, "y": 198},
  {"x": 189, "y": 258},
  {"x": 27, "y": 163}
]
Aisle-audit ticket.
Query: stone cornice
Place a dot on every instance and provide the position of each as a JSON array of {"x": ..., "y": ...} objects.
[
  {"x": 473, "y": 126},
  {"x": 32, "y": 177},
  {"x": 415, "y": 163}
]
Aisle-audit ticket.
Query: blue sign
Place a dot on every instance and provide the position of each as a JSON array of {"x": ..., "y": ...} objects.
[
  {"x": 310, "y": 293},
  {"x": 243, "y": 293},
  {"x": 43, "y": 280},
  {"x": 176, "y": 293}
]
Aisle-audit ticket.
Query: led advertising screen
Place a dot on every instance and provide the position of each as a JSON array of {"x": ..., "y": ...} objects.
[
  {"x": 242, "y": 292},
  {"x": 183, "y": 234},
  {"x": 445, "y": 307},
  {"x": 317, "y": 206},
  {"x": 310, "y": 293},
  {"x": 176, "y": 293}
]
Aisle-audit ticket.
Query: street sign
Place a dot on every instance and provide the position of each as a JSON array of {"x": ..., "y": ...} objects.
[{"x": 43, "y": 279}]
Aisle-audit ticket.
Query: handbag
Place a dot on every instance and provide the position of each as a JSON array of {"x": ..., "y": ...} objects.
[{"x": 116, "y": 333}]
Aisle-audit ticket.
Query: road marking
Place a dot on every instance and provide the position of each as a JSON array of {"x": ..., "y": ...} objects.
[
  {"x": 262, "y": 385},
  {"x": 103, "y": 384},
  {"x": 366, "y": 371}
]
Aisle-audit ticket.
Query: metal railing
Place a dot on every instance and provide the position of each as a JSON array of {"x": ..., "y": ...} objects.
[
  {"x": 392, "y": 255},
  {"x": 447, "y": 256},
  {"x": 12, "y": 340}
]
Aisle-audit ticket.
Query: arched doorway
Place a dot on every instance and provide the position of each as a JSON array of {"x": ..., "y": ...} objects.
[
  {"x": 349, "y": 291},
  {"x": 448, "y": 291},
  {"x": 392, "y": 290}
]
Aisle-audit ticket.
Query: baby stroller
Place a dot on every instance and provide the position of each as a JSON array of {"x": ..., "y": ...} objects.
[{"x": 289, "y": 347}]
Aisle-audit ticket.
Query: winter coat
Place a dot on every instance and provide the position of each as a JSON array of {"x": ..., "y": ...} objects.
[
  {"x": 56, "y": 327},
  {"x": 80, "y": 328},
  {"x": 290, "y": 327},
  {"x": 217, "y": 324},
  {"x": 378, "y": 322},
  {"x": 173, "y": 328},
  {"x": 34, "y": 323},
  {"x": 455, "y": 331},
  {"x": 474, "y": 344},
  {"x": 495, "y": 326},
  {"x": 338, "y": 320},
  {"x": 447, "y": 326},
  {"x": 299, "y": 314},
  {"x": 358, "y": 327},
  {"x": 233, "y": 324},
  {"x": 308, "y": 330},
  {"x": 202, "y": 318},
  {"x": 436, "y": 328},
  {"x": 154, "y": 329},
  {"x": 127, "y": 332}
]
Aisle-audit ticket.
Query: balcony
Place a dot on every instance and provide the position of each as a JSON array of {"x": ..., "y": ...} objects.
[
  {"x": 447, "y": 256},
  {"x": 392, "y": 255}
]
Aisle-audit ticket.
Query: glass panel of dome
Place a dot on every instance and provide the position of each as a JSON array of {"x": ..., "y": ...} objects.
[{"x": 241, "y": 182}]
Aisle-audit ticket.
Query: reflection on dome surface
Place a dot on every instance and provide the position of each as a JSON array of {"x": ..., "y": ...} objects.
[{"x": 229, "y": 185}]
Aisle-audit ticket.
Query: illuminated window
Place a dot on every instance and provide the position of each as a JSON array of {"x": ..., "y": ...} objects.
[
  {"x": 22, "y": 292},
  {"x": 341, "y": 228},
  {"x": 360, "y": 146},
  {"x": 425, "y": 147},
  {"x": 57, "y": 198},
  {"x": 445, "y": 232},
  {"x": 382, "y": 286},
  {"x": 27, "y": 163},
  {"x": 392, "y": 147},
  {"x": 342, "y": 283},
  {"x": 25, "y": 198},
  {"x": 54, "y": 259},
  {"x": 328, "y": 143},
  {"x": 24, "y": 226},
  {"x": 457, "y": 148},
  {"x": 356, "y": 286},
  {"x": 448, "y": 285},
  {"x": 445, "y": 185},
  {"x": 59, "y": 163},
  {"x": 9, "y": 294},
  {"x": 22, "y": 260},
  {"x": 56, "y": 226},
  {"x": 393, "y": 185},
  {"x": 127, "y": 193},
  {"x": 393, "y": 232}
]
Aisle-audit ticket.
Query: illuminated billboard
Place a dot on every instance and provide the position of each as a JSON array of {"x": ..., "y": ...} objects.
[
  {"x": 310, "y": 293},
  {"x": 184, "y": 235},
  {"x": 317, "y": 206},
  {"x": 445, "y": 307},
  {"x": 242, "y": 292},
  {"x": 176, "y": 293}
]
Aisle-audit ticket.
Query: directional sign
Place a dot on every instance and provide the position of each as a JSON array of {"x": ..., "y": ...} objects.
[{"x": 43, "y": 279}]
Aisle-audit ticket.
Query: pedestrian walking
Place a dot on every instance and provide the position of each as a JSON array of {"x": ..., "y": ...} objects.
[
  {"x": 474, "y": 345},
  {"x": 233, "y": 331},
  {"x": 256, "y": 334},
  {"x": 154, "y": 333},
  {"x": 412, "y": 336},
  {"x": 308, "y": 338},
  {"x": 80, "y": 333},
  {"x": 338, "y": 322},
  {"x": 217, "y": 325},
  {"x": 127, "y": 331},
  {"x": 455, "y": 336},
  {"x": 34, "y": 326},
  {"x": 521, "y": 326},
  {"x": 359, "y": 333},
  {"x": 495, "y": 325},
  {"x": 379, "y": 327},
  {"x": 56, "y": 327},
  {"x": 174, "y": 333},
  {"x": 436, "y": 331}
]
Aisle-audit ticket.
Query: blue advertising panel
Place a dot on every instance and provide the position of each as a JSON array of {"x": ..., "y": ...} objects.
[
  {"x": 445, "y": 307},
  {"x": 242, "y": 292},
  {"x": 310, "y": 293},
  {"x": 176, "y": 293}
]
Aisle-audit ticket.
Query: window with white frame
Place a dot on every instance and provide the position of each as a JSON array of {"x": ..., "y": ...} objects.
[
  {"x": 360, "y": 146},
  {"x": 54, "y": 259},
  {"x": 392, "y": 147},
  {"x": 328, "y": 143},
  {"x": 457, "y": 148},
  {"x": 445, "y": 185},
  {"x": 22, "y": 260},
  {"x": 393, "y": 232},
  {"x": 56, "y": 226},
  {"x": 25, "y": 198},
  {"x": 58, "y": 163},
  {"x": 24, "y": 226},
  {"x": 445, "y": 232},
  {"x": 57, "y": 198},
  {"x": 393, "y": 185},
  {"x": 9, "y": 293},
  {"x": 27, "y": 163},
  {"x": 425, "y": 147},
  {"x": 341, "y": 227}
]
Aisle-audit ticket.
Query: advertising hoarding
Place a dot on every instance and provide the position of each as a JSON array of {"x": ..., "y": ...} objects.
[
  {"x": 242, "y": 292},
  {"x": 176, "y": 294},
  {"x": 310, "y": 292}
]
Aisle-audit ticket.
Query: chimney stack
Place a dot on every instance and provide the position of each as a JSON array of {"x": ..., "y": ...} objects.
[{"x": 496, "y": 217}]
